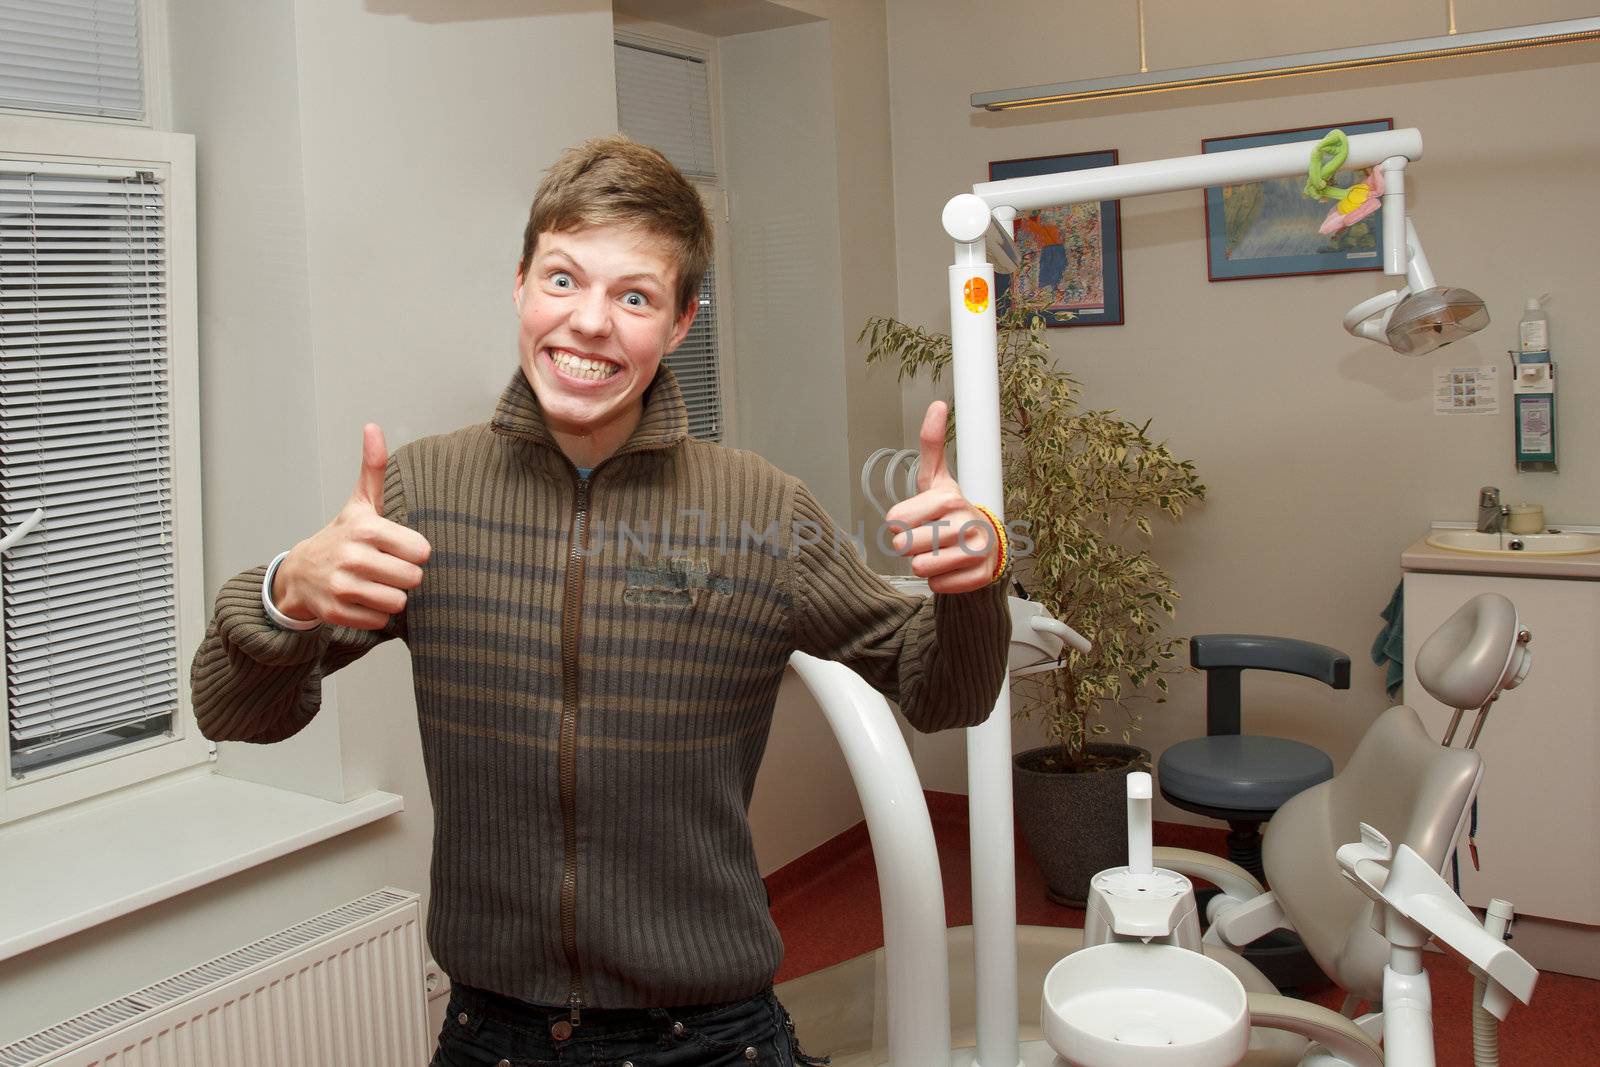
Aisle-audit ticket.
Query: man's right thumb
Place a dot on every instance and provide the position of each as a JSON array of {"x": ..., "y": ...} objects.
[{"x": 374, "y": 462}]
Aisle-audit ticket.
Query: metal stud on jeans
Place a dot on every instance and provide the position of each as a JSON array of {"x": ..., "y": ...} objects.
[
  {"x": 750, "y": 1053},
  {"x": 678, "y": 1029}
]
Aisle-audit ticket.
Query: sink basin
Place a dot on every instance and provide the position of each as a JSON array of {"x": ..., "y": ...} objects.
[{"x": 1508, "y": 544}]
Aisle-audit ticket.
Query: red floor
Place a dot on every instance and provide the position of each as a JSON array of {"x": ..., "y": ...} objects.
[{"x": 826, "y": 904}]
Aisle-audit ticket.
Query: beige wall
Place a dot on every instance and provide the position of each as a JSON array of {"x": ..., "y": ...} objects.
[
  {"x": 805, "y": 140},
  {"x": 364, "y": 170},
  {"x": 1321, "y": 453},
  {"x": 779, "y": 152},
  {"x": 788, "y": 329},
  {"x": 859, "y": 68}
]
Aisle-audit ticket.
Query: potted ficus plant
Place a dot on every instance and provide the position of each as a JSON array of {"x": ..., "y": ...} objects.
[{"x": 1086, "y": 484}]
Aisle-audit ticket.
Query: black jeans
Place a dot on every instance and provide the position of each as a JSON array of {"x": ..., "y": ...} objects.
[{"x": 483, "y": 1029}]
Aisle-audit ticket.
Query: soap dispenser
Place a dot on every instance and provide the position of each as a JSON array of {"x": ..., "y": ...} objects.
[{"x": 1533, "y": 388}]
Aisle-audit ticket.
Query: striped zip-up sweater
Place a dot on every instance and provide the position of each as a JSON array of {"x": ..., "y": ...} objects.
[{"x": 594, "y": 693}]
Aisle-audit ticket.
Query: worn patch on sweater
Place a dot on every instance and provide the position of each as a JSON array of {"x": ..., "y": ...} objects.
[{"x": 676, "y": 581}]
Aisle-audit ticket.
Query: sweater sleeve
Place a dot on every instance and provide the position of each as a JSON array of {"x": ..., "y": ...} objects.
[
  {"x": 941, "y": 658},
  {"x": 252, "y": 681}
]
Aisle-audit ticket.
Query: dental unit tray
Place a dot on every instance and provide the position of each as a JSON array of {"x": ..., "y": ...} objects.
[{"x": 1140, "y": 991}]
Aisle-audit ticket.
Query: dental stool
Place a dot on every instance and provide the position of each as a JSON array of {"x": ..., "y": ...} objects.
[{"x": 1243, "y": 779}]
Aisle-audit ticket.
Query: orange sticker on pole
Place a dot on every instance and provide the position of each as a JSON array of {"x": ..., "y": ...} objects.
[{"x": 976, "y": 294}]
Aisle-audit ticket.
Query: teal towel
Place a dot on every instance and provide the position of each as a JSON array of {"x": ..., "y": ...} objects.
[{"x": 1389, "y": 649}]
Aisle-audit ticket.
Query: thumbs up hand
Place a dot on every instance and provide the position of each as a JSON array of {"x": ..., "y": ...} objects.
[
  {"x": 354, "y": 571},
  {"x": 949, "y": 541}
]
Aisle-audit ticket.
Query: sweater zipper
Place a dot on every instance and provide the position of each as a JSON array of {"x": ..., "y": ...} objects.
[{"x": 568, "y": 752}]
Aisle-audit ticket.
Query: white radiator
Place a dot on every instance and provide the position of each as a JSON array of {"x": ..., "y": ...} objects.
[{"x": 343, "y": 989}]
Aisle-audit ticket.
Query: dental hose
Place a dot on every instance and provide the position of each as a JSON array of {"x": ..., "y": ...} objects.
[{"x": 1485, "y": 1027}]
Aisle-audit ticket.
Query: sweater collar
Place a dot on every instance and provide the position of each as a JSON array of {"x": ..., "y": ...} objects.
[{"x": 665, "y": 421}]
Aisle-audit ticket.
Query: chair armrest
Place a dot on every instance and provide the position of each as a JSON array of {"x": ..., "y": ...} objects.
[
  {"x": 1237, "y": 923},
  {"x": 1330, "y": 1029},
  {"x": 1227, "y": 876},
  {"x": 1263, "y": 653}
]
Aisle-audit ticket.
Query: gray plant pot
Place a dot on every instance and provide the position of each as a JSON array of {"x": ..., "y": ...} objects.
[{"x": 1076, "y": 825}]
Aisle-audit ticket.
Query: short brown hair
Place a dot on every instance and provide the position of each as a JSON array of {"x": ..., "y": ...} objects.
[{"x": 616, "y": 181}]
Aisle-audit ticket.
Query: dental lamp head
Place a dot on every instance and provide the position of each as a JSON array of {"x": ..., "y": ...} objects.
[{"x": 1421, "y": 315}]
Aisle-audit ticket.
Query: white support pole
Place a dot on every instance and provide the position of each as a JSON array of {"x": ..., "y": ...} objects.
[
  {"x": 1407, "y": 1018},
  {"x": 915, "y": 946},
  {"x": 974, "y": 350}
]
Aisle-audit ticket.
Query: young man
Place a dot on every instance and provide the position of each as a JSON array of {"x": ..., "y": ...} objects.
[{"x": 599, "y": 610}]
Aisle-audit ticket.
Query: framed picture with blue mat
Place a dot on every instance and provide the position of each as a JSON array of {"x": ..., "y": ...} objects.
[
  {"x": 1073, "y": 253},
  {"x": 1269, "y": 229}
]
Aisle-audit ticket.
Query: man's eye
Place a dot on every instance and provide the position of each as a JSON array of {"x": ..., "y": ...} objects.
[
  {"x": 636, "y": 300},
  {"x": 562, "y": 280}
]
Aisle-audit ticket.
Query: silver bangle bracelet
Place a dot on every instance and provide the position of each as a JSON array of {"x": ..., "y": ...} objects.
[{"x": 279, "y": 619}]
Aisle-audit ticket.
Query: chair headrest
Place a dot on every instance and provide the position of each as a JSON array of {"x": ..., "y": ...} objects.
[{"x": 1476, "y": 653}]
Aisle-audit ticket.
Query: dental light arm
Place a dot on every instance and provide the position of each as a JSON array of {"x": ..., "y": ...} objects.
[
  {"x": 1190, "y": 172},
  {"x": 1413, "y": 320},
  {"x": 1421, "y": 316},
  {"x": 1366, "y": 320}
]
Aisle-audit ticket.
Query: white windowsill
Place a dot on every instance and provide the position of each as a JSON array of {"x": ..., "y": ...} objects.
[{"x": 101, "y": 861}]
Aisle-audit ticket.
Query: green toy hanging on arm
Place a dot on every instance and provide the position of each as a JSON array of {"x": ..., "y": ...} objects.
[{"x": 1355, "y": 203}]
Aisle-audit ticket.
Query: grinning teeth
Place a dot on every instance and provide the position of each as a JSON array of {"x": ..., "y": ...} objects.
[{"x": 593, "y": 369}]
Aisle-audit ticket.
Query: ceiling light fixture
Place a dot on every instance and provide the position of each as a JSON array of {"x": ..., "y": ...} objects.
[{"x": 1257, "y": 70}]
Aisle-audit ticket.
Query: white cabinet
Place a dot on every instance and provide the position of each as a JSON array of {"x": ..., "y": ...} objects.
[{"x": 1539, "y": 808}]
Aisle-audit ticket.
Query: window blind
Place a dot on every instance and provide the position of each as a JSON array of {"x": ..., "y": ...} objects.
[
  {"x": 75, "y": 56},
  {"x": 694, "y": 363},
  {"x": 664, "y": 101},
  {"x": 87, "y": 600}
]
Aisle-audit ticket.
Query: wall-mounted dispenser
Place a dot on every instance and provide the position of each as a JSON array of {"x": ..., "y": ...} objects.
[{"x": 1533, "y": 389}]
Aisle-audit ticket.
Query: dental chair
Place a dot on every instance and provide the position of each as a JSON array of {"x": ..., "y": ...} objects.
[
  {"x": 1414, "y": 789},
  {"x": 1400, "y": 781}
]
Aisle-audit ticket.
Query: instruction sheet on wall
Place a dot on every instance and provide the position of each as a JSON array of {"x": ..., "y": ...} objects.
[{"x": 1466, "y": 390}]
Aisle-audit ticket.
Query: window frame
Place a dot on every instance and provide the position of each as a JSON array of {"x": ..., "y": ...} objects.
[
  {"x": 154, "y": 65},
  {"x": 71, "y": 142}
]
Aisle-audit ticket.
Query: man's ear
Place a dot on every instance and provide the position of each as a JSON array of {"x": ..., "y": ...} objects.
[
  {"x": 680, "y": 329},
  {"x": 516, "y": 295}
]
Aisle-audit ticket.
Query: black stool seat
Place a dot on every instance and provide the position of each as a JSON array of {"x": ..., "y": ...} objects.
[{"x": 1239, "y": 773}]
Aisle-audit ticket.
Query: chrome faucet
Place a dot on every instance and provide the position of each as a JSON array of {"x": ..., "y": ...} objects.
[{"x": 1491, "y": 515}]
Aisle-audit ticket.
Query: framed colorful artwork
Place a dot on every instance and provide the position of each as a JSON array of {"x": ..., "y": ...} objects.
[
  {"x": 1269, "y": 229},
  {"x": 1074, "y": 252}
]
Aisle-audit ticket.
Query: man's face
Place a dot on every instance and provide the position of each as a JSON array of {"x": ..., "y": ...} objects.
[{"x": 597, "y": 316}]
